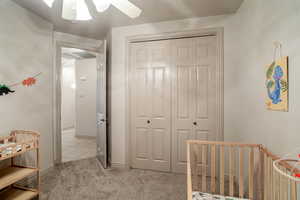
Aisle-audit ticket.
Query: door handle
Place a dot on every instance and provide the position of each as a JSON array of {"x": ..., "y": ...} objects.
[
  {"x": 101, "y": 121},
  {"x": 148, "y": 121},
  {"x": 195, "y": 123}
]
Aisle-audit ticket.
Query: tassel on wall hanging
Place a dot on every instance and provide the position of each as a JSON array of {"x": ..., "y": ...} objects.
[{"x": 6, "y": 89}]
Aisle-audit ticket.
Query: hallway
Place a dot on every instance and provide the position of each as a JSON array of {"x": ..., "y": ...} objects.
[{"x": 75, "y": 148}]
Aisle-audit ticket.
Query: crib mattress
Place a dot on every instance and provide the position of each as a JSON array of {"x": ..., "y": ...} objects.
[{"x": 206, "y": 196}]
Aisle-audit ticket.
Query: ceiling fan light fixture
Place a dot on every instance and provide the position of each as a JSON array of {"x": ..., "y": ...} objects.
[
  {"x": 102, "y": 5},
  {"x": 75, "y": 10},
  {"x": 83, "y": 12},
  {"x": 49, "y": 3}
]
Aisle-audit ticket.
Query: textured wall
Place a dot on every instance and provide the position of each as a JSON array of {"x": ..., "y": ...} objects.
[
  {"x": 85, "y": 101},
  {"x": 25, "y": 49},
  {"x": 68, "y": 94},
  {"x": 257, "y": 25},
  {"x": 248, "y": 44}
]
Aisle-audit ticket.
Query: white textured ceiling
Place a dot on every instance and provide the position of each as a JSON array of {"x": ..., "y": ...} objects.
[{"x": 153, "y": 11}]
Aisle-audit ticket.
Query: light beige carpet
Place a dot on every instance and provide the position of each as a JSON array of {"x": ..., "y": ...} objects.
[
  {"x": 74, "y": 148},
  {"x": 86, "y": 180}
]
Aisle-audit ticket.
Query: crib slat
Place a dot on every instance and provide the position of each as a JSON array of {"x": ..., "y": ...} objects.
[
  {"x": 213, "y": 168},
  {"x": 283, "y": 185},
  {"x": 293, "y": 190},
  {"x": 231, "y": 171},
  {"x": 199, "y": 167},
  {"x": 285, "y": 188},
  {"x": 276, "y": 185},
  {"x": 266, "y": 173},
  {"x": 280, "y": 185},
  {"x": 189, "y": 174},
  {"x": 251, "y": 169},
  {"x": 222, "y": 168},
  {"x": 194, "y": 163},
  {"x": 268, "y": 183},
  {"x": 241, "y": 173},
  {"x": 271, "y": 178},
  {"x": 204, "y": 157}
]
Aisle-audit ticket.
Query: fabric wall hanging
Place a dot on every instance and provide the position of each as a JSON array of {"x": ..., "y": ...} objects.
[
  {"x": 7, "y": 89},
  {"x": 277, "y": 83}
]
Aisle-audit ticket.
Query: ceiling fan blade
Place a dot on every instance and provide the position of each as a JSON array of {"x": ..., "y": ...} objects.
[
  {"x": 69, "y": 9},
  {"x": 49, "y": 3},
  {"x": 75, "y": 10},
  {"x": 127, "y": 8}
]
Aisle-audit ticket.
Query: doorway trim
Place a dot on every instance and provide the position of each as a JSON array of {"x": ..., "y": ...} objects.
[
  {"x": 61, "y": 40},
  {"x": 219, "y": 33}
]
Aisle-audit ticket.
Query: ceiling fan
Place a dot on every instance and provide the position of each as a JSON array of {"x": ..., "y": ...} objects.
[{"x": 78, "y": 9}]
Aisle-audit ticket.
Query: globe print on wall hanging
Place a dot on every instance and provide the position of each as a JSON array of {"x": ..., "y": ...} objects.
[{"x": 277, "y": 85}]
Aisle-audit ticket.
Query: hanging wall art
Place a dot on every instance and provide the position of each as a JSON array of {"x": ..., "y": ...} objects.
[
  {"x": 277, "y": 85},
  {"x": 7, "y": 89}
]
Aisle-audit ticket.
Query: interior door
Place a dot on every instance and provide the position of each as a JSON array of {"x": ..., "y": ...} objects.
[
  {"x": 150, "y": 92},
  {"x": 102, "y": 139},
  {"x": 194, "y": 94}
]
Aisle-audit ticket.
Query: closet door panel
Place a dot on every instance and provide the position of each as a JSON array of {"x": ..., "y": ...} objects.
[
  {"x": 158, "y": 97},
  {"x": 151, "y": 107},
  {"x": 194, "y": 94},
  {"x": 161, "y": 105},
  {"x": 142, "y": 143},
  {"x": 182, "y": 135},
  {"x": 205, "y": 94},
  {"x": 183, "y": 90},
  {"x": 140, "y": 109},
  {"x": 202, "y": 92},
  {"x": 183, "y": 101}
]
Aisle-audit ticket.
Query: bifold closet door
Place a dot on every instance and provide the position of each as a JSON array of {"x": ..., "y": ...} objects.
[
  {"x": 194, "y": 94},
  {"x": 150, "y": 92}
]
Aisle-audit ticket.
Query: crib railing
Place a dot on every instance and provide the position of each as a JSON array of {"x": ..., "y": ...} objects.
[
  {"x": 277, "y": 186},
  {"x": 236, "y": 170}
]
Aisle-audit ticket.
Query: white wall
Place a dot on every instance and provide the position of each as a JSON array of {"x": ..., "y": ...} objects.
[
  {"x": 248, "y": 44},
  {"x": 86, "y": 97},
  {"x": 258, "y": 23},
  {"x": 26, "y": 49},
  {"x": 248, "y": 48},
  {"x": 68, "y": 94}
]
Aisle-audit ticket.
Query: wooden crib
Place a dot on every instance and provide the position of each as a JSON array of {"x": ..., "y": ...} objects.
[{"x": 236, "y": 170}]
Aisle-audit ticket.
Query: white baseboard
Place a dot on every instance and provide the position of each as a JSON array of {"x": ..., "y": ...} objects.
[
  {"x": 120, "y": 166},
  {"x": 68, "y": 128},
  {"x": 85, "y": 137}
]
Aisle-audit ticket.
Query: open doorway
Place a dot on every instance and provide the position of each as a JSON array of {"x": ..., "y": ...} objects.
[
  {"x": 90, "y": 120},
  {"x": 78, "y": 104}
]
